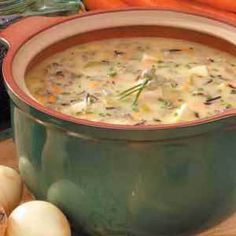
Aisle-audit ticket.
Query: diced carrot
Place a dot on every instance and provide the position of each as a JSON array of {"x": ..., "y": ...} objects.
[
  {"x": 56, "y": 89},
  {"x": 41, "y": 99},
  {"x": 51, "y": 99},
  {"x": 93, "y": 84}
]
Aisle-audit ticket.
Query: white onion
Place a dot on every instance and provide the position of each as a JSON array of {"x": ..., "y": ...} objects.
[
  {"x": 11, "y": 188},
  {"x": 37, "y": 218}
]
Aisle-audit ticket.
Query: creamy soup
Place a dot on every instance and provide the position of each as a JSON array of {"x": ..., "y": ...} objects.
[{"x": 136, "y": 81}]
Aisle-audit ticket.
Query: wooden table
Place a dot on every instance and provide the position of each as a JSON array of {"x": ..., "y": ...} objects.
[{"x": 8, "y": 157}]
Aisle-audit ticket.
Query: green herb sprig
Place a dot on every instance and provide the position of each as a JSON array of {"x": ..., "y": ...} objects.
[{"x": 148, "y": 76}]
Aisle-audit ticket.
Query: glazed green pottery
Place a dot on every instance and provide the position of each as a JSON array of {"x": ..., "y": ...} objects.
[{"x": 123, "y": 180}]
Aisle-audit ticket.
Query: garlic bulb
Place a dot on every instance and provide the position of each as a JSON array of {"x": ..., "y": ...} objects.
[
  {"x": 11, "y": 188},
  {"x": 3, "y": 221},
  {"x": 37, "y": 218}
]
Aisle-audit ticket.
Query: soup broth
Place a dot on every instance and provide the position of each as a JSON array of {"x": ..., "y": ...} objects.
[{"x": 136, "y": 81}]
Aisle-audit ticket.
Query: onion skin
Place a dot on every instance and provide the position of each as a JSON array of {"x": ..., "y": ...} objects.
[
  {"x": 3, "y": 221},
  {"x": 37, "y": 218},
  {"x": 11, "y": 187}
]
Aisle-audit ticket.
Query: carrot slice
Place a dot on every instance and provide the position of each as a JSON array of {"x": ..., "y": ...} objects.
[
  {"x": 152, "y": 3},
  {"x": 187, "y": 5},
  {"x": 104, "y": 4},
  {"x": 229, "y": 5}
]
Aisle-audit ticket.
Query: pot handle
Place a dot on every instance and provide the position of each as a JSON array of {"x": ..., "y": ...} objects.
[{"x": 22, "y": 30}]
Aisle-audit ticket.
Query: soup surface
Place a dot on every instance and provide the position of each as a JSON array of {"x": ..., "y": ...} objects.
[{"x": 136, "y": 81}]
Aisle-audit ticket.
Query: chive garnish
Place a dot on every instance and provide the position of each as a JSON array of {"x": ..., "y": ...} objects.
[{"x": 149, "y": 75}]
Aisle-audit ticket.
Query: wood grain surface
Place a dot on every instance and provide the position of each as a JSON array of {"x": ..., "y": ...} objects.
[{"x": 8, "y": 157}]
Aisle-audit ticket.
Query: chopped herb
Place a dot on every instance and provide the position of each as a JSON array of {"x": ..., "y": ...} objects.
[
  {"x": 90, "y": 99},
  {"x": 104, "y": 114},
  {"x": 110, "y": 108},
  {"x": 60, "y": 73},
  {"x": 112, "y": 72},
  {"x": 210, "y": 100},
  {"x": 197, "y": 93},
  {"x": 211, "y": 60},
  {"x": 232, "y": 86},
  {"x": 188, "y": 66},
  {"x": 233, "y": 91},
  {"x": 64, "y": 104},
  {"x": 92, "y": 64},
  {"x": 135, "y": 108},
  {"x": 196, "y": 114},
  {"x": 209, "y": 81},
  {"x": 142, "y": 122},
  {"x": 105, "y": 61},
  {"x": 156, "y": 119},
  {"x": 89, "y": 112},
  {"x": 200, "y": 89},
  {"x": 166, "y": 103},
  {"x": 228, "y": 106},
  {"x": 175, "y": 50},
  {"x": 73, "y": 100},
  {"x": 118, "y": 53},
  {"x": 221, "y": 77},
  {"x": 173, "y": 84}
]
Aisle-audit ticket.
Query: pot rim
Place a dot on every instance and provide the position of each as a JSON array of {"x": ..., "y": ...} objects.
[{"x": 22, "y": 96}]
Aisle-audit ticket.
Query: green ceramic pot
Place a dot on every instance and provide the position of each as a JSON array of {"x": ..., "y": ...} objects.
[{"x": 122, "y": 180}]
